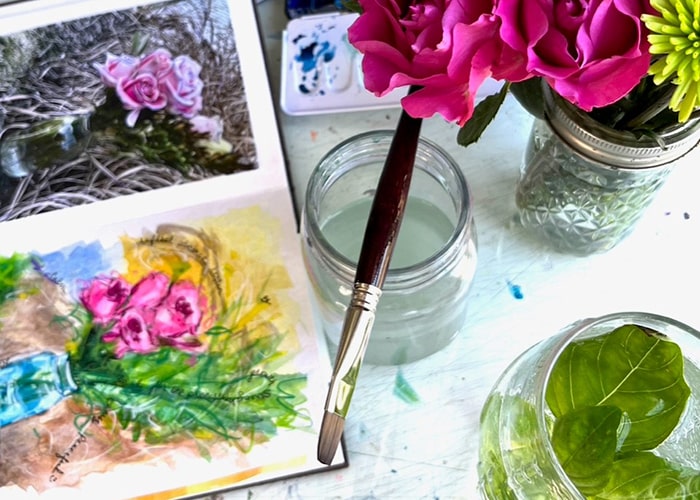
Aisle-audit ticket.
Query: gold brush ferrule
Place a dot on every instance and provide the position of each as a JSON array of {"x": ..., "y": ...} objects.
[{"x": 357, "y": 327}]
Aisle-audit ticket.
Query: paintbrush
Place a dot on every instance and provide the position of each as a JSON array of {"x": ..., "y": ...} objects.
[{"x": 380, "y": 237}]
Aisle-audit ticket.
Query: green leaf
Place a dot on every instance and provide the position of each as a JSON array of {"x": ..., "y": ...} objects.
[
  {"x": 645, "y": 476},
  {"x": 352, "y": 6},
  {"x": 585, "y": 441},
  {"x": 635, "y": 369},
  {"x": 484, "y": 113},
  {"x": 530, "y": 95},
  {"x": 11, "y": 271}
]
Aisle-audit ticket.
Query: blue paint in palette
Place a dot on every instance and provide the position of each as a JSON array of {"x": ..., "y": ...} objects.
[
  {"x": 309, "y": 56},
  {"x": 322, "y": 59}
]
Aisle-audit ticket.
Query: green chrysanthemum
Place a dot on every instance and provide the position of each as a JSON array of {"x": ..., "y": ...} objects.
[{"x": 675, "y": 39}]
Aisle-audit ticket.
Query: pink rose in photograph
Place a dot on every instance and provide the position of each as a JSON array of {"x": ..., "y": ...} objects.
[
  {"x": 158, "y": 63},
  {"x": 116, "y": 68},
  {"x": 184, "y": 87},
  {"x": 155, "y": 81},
  {"x": 139, "y": 92},
  {"x": 591, "y": 53}
]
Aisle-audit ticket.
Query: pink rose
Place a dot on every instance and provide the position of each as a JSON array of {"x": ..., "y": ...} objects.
[
  {"x": 132, "y": 334},
  {"x": 180, "y": 312},
  {"x": 158, "y": 63},
  {"x": 184, "y": 87},
  {"x": 140, "y": 92},
  {"x": 209, "y": 125},
  {"x": 150, "y": 291},
  {"x": 104, "y": 296},
  {"x": 592, "y": 52},
  {"x": 447, "y": 47},
  {"x": 115, "y": 68}
]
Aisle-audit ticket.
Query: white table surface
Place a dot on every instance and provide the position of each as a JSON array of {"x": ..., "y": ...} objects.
[{"x": 429, "y": 449}]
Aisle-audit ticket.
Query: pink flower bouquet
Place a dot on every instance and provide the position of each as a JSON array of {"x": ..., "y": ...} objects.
[
  {"x": 595, "y": 54},
  {"x": 154, "y": 106}
]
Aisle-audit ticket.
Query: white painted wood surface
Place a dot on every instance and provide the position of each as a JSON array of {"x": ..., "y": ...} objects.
[{"x": 430, "y": 449}]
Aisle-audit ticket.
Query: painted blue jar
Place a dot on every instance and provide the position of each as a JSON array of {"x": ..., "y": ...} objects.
[{"x": 32, "y": 385}]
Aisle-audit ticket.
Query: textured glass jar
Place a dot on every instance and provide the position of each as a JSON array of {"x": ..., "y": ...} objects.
[
  {"x": 44, "y": 144},
  {"x": 584, "y": 186},
  {"x": 516, "y": 455},
  {"x": 424, "y": 301}
]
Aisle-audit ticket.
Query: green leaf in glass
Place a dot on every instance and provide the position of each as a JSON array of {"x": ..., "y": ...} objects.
[
  {"x": 484, "y": 113},
  {"x": 585, "y": 441},
  {"x": 636, "y": 369},
  {"x": 645, "y": 476}
]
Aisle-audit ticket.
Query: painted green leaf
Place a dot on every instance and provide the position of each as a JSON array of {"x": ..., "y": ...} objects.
[
  {"x": 584, "y": 441},
  {"x": 11, "y": 272},
  {"x": 645, "y": 476},
  {"x": 484, "y": 113},
  {"x": 635, "y": 369}
]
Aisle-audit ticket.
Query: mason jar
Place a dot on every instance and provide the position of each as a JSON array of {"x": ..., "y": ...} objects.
[
  {"x": 517, "y": 449},
  {"x": 424, "y": 301},
  {"x": 584, "y": 186}
]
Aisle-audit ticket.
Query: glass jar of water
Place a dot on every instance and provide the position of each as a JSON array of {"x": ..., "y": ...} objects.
[
  {"x": 424, "y": 301},
  {"x": 608, "y": 407}
]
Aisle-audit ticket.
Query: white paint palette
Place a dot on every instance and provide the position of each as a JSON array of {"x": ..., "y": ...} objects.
[{"x": 321, "y": 71}]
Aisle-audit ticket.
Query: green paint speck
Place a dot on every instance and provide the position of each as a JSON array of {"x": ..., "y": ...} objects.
[{"x": 403, "y": 390}]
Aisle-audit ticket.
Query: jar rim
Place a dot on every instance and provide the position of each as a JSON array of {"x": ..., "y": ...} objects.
[
  {"x": 579, "y": 330},
  {"x": 420, "y": 272},
  {"x": 617, "y": 148}
]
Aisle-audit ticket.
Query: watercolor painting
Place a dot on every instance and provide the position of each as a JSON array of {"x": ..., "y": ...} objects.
[
  {"x": 120, "y": 102},
  {"x": 176, "y": 343},
  {"x": 156, "y": 334}
]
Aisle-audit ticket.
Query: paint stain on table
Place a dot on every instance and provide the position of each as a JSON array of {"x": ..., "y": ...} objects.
[
  {"x": 403, "y": 389},
  {"x": 515, "y": 290}
]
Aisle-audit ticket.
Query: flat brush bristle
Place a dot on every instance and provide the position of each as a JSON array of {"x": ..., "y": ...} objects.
[{"x": 331, "y": 430}]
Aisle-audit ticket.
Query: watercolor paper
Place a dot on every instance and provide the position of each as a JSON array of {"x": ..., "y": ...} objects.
[{"x": 161, "y": 344}]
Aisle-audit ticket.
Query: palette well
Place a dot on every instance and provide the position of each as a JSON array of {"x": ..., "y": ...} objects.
[{"x": 322, "y": 73}]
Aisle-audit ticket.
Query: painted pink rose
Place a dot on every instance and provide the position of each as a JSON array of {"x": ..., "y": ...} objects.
[
  {"x": 150, "y": 291},
  {"x": 446, "y": 47},
  {"x": 181, "y": 312},
  {"x": 184, "y": 87},
  {"x": 592, "y": 52},
  {"x": 104, "y": 297},
  {"x": 132, "y": 334},
  {"x": 115, "y": 68}
]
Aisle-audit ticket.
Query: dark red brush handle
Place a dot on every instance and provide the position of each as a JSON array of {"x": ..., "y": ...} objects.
[{"x": 389, "y": 204}]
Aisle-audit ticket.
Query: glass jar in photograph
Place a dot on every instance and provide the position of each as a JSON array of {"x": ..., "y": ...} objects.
[
  {"x": 607, "y": 408},
  {"x": 424, "y": 301}
]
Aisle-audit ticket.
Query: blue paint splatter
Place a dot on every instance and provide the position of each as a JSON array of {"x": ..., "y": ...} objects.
[
  {"x": 403, "y": 390},
  {"x": 515, "y": 290}
]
